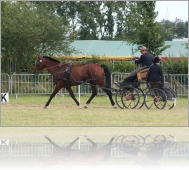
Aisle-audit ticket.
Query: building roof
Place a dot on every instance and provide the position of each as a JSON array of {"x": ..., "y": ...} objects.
[{"x": 120, "y": 48}]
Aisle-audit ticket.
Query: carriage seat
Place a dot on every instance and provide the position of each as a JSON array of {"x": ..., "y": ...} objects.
[
  {"x": 156, "y": 85},
  {"x": 141, "y": 75}
]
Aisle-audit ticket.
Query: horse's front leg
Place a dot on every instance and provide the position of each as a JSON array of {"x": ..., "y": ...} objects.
[
  {"x": 56, "y": 90},
  {"x": 73, "y": 96}
]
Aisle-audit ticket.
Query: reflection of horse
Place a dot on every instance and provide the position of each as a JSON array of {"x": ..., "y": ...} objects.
[
  {"x": 75, "y": 155},
  {"x": 67, "y": 75}
]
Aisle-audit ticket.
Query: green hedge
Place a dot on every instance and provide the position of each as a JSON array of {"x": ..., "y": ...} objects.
[{"x": 179, "y": 66}]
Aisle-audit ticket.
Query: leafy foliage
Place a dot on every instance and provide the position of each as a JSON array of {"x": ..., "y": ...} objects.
[
  {"x": 179, "y": 66},
  {"x": 28, "y": 31},
  {"x": 30, "y": 28},
  {"x": 142, "y": 29}
]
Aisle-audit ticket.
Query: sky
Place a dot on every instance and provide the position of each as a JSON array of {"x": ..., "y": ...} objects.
[{"x": 170, "y": 10}]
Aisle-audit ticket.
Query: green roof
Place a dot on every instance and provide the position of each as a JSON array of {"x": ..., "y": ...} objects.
[{"x": 120, "y": 48}]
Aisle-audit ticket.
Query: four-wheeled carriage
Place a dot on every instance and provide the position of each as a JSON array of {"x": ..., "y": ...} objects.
[
  {"x": 130, "y": 94},
  {"x": 147, "y": 150},
  {"x": 134, "y": 92}
]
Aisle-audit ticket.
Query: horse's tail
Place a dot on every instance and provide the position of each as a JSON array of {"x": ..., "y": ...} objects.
[{"x": 107, "y": 75}]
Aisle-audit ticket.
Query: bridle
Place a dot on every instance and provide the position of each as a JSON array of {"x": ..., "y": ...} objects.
[{"x": 40, "y": 62}]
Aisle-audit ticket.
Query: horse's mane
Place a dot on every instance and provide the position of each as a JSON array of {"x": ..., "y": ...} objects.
[{"x": 52, "y": 59}]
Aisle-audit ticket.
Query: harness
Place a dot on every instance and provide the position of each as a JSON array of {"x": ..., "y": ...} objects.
[
  {"x": 68, "y": 68},
  {"x": 68, "y": 72},
  {"x": 65, "y": 75}
]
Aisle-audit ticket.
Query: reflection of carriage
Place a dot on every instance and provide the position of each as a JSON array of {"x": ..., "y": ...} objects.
[
  {"x": 147, "y": 150},
  {"x": 134, "y": 92}
]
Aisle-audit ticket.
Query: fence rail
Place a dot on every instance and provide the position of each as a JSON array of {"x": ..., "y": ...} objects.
[
  {"x": 25, "y": 150},
  {"x": 5, "y": 83},
  {"x": 18, "y": 84}
]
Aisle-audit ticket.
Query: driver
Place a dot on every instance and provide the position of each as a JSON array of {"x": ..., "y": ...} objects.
[{"x": 145, "y": 59}]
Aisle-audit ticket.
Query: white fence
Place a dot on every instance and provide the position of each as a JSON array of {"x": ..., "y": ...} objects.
[
  {"x": 43, "y": 84},
  {"x": 25, "y": 150}
]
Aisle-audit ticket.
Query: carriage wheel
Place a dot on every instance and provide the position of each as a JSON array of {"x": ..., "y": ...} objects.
[
  {"x": 141, "y": 101},
  {"x": 130, "y": 141},
  {"x": 155, "y": 98},
  {"x": 171, "y": 140},
  {"x": 118, "y": 99},
  {"x": 149, "y": 140},
  {"x": 160, "y": 141},
  {"x": 118, "y": 140},
  {"x": 171, "y": 98},
  {"x": 130, "y": 97},
  {"x": 141, "y": 141}
]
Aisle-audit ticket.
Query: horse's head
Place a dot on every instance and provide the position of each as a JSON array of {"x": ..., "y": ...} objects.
[{"x": 39, "y": 64}]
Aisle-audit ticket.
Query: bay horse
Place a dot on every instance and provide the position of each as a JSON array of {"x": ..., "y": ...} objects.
[
  {"x": 94, "y": 155},
  {"x": 66, "y": 75}
]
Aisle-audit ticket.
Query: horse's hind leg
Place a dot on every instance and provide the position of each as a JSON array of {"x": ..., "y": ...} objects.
[
  {"x": 73, "y": 96},
  {"x": 109, "y": 93},
  {"x": 94, "y": 93},
  {"x": 108, "y": 148},
  {"x": 71, "y": 144},
  {"x": 94, "y": 145},
  {"x": 110, "y": 142}
]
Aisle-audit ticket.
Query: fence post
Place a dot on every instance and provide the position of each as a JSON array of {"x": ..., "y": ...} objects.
[
  {"x": 79, "y": 143},
  {"x": 79, "y": 93},
  {"x": 34, "y": 83}
]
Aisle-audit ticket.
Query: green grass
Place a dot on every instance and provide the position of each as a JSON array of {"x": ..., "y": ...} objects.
[{"x": 27, "y": 110}]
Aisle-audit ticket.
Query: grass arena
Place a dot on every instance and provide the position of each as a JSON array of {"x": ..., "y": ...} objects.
[{"x": 28, "y": 110}]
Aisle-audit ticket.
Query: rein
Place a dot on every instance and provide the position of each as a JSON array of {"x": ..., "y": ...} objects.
[{"x": 51, "y": 67}]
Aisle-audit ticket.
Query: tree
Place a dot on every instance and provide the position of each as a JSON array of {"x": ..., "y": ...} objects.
[
  {"x": 29, "y": 30},
  {"x": 68, "y": 10},
  {"x": 180, "y": 29},
  {"x": 109, "y": 20},
  {"x": 142, "y": 29},
  {"x": 88, "y": 26},
  {"x": 186, "y": 33},
  {"x": 121, "y": 10},
  {"x": 167, "y": 25}
]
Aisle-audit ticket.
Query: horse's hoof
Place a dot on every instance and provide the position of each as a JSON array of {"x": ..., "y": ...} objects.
[
  {"x": 86, "y": 106},
  {"x": 114, "y": 107},
  {"x": 79, "y": 107},
  {"x": 45, "y": 107}
]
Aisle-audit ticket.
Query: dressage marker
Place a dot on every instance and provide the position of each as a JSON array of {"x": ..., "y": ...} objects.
[{"x": 4, "y": 97}]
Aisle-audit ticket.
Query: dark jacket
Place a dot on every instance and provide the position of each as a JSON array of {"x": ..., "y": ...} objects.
[
  {"x": 155, "y": 74},
  {"x": 145, "y": 59}
]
